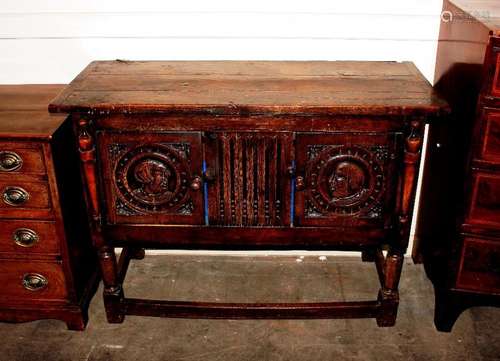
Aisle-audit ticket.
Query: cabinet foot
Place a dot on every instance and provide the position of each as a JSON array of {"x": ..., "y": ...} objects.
[
  {"x": 77, "y": 323},
  {"x": 447, "y": 311}
]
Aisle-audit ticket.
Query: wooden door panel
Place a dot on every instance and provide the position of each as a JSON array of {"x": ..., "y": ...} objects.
[
  {"x": 152, "y": 178},
  {"x": 345, "y": 179},
  {"x": 251, "y": 179}
]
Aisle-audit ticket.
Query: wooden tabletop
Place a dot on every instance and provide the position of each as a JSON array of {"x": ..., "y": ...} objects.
[
  {"x": 249, "y": 87},
  {"x": 23, "y": 111}
]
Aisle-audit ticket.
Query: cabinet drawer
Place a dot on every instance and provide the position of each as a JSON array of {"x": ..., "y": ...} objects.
[
  {"x": 495, "y": 89},
  {"x": 480, "y": 266},
  {"x": 32, "y": 280},
  {"x": 489, "y": 148},
  {"x": 345, "y": 179},
  {"x": 22, "y": 194},
  {"x": 20, "y": 158},
  {"x": 28, "y": 237},
  {"x": 485, "y": 201}
]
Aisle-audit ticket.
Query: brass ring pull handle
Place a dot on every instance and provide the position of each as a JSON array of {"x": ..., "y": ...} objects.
[
  {"x": 15, "y": 196},
  {"x": 196, "y": 183},
  {"x": 10, "y": 161},
  {"x": 34, "y": 282},
  {"x": 25, "y": 237},
  {"x": 300, "y": 183}
]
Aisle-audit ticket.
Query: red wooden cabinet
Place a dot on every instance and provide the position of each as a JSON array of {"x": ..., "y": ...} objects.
[
  {"x": 459, "y": 223},
  {"x": 251, "y": 155}
]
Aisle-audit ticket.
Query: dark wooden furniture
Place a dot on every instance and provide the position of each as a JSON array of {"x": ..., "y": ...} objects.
[
  {"x": 250, "y": 155},
  {"x": 47, "y": 264},
  {"x": 459, "y": 226}
]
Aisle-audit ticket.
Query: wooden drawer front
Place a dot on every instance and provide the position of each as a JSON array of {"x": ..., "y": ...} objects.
[
  {"x": 152, "y": 178},
  {"x": 480, "y": 266},
  {"x": 31, "y": 280},
  {"x": 28, "y": 237},
  {"x": 485, "y": 202},
  {"x": 17, "y": 194},
  {"x": 345, "y": 179},
  {"x": 490, "y": 144},
  {"x": 495, "y": 89},
  {"x": 18, "y": 158}
]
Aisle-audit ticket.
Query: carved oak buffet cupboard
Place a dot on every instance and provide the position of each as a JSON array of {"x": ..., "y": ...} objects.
[{"x": 231, "y": 155}]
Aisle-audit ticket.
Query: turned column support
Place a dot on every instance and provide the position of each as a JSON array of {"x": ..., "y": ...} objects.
[
  {"x": 390, "y": 268},
  {"x": 113, "y": 293},
  {"x": 86, "y": 143},
  {"x": 413, "y": 146}
]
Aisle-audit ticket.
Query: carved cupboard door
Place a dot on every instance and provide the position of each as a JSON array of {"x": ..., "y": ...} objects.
[
  {"x": 152, "y": 178},
  {"x": 345, "y": 179}
]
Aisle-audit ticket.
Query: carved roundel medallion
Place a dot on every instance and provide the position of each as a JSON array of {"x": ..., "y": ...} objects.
[
  {"x": 152, "y": 178},
  {"x": 345, "y": 180}
]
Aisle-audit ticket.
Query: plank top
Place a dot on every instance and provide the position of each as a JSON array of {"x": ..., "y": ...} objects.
[
  {"x": 23, "y": 111},
  {"x": 249, "y": 87}
]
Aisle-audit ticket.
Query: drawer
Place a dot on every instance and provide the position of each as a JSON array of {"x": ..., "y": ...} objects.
[
  {"x": 480, "y": 266},
  {"x": 28, "y": 237},
  {"x": 485, "y": 201},
  {"x": 495, "y": 88},
  {"x": 20, "y": 158},
  {"x": 23, "y": 194},
  {"x": 32, "y": 280},
  {"x": 489, "y": 147}
]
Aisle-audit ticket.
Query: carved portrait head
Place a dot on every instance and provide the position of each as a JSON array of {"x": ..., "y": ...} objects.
[
  {"x": 153, "y": 175},
  {"x": 347, "y": 179}
]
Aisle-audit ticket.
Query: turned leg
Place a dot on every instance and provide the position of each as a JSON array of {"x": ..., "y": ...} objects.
[
  {"x": 113, "y": 291},
  {"x": 113, "y": 294},
  {"x": 389, "y": 295},
  {"x": 393, "y": 264}
]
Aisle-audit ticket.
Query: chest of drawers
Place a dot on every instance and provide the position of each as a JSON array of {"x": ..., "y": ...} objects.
[
  {"x": 252, "y": 155},
  {"x": 47, "y": 267},
  {"x": 460, "y": 223}
]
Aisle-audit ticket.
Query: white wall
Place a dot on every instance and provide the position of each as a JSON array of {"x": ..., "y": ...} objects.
[{"x": 51, "y": 41}]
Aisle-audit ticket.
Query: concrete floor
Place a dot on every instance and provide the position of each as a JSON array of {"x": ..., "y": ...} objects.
[{"x": 476, "y": 335}]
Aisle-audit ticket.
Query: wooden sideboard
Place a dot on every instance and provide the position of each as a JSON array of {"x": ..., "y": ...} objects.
[
  {"x": 250, "y": 155},
  {"x": 48, "y": 268},
  {"x": 459, "y": 226}
]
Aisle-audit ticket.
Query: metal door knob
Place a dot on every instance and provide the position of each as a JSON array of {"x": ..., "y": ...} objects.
[{"x": 196, "y": 183}]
